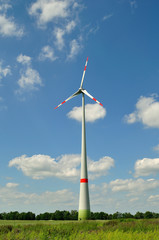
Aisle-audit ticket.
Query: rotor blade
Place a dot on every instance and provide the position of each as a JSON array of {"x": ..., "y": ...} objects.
[
  {"x": 85, "y": 92},
  {"x": 75, "y": 94},
  {"x": 84, "y": 73}
]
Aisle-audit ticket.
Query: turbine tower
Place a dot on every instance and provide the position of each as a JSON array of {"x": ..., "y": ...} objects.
[{"x": 84, "y": 203}]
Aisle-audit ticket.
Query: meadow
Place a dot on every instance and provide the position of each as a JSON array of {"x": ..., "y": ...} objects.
[{"x": 121, "y": 229}]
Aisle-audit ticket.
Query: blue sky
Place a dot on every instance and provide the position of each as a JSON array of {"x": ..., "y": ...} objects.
[{"x": 43, "y": 50}]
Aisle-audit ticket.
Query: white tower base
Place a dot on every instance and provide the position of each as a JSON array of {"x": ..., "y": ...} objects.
[{"x": 84, "y": 204}]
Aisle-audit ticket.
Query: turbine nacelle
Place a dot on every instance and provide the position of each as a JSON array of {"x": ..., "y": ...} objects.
[{"x": 81, "y": 90}]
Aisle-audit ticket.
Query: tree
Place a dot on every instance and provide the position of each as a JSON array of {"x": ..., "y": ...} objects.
[
  {"x": 66, "y": 215},
  {"x": 58, "y": 215},
  {"x": 30, "y": 216},
  {"x": 117, "y": 215},
  {"x": 74, "y": 215},
  {"x": 127, "y": 215},
  {"x": 148, "y": 214},
  {"x": 139, "y": 215},
  {"x": 46, "y": 216}
]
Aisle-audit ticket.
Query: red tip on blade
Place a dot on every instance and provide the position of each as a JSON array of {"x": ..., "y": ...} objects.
[
  {"x": 101, "y": 104},
  {"x": 55, "y": 107},
  {"x": 87, "y": 58},
  {"x": 63, "y": 102},
  {"x": 94, "y": 99}
]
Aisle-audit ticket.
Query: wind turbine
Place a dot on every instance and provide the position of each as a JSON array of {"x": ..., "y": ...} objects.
[{"x": 84, "y": 203}]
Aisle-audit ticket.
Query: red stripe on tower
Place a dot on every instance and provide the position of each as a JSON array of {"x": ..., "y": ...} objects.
[{"x": 84, "y": 180}]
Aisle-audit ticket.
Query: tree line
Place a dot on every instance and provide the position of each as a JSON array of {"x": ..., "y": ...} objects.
[{"x": 73, "y": 215}]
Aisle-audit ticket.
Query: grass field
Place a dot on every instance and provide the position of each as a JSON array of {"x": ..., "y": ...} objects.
[{"x": 129, "y": 229}]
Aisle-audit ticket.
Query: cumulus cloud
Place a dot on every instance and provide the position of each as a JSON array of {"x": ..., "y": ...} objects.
[
  {"x": 23, "y": 59},
  {"x": 10, "y": 196},
  {"x": 4, "y": 6},
  {"x": 70, "y": 26},
  {"x": 63, "y": 167},
  {"x": 50, "y": 10},
  {"x": 134, "y": 186},
  {"x": 59, "y": 34},
  {"x": 42, "y": 166},
  {"x": 4, "y": 71},
  {"x": 47, "y": 53},
  {"x": 75, "y": 47},
  {"x": 153, "y": 198},
  {"x": 93, "y": 112},
  {"x": 146, "y": 167},
  {"x": 100, "y": 168},
  {"x": 12, "y": 185},
  {"x": 147, "y": 112},
  {"x": 30, "y": 78},
  {"x": 65, "y": 16},
  {"x": 8, "y": 27}
]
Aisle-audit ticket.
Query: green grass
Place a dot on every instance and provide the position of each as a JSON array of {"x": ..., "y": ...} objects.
[{"x": 73, "y": 230}]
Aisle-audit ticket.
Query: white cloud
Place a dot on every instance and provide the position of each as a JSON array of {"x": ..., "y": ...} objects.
[
  {"x": 153, "y": 198},
  {"x": 64, "y": 167},
  {"x": 100, "y": 168},
  {"x": 74, "y": 49},
  {"x": 23, "y": 59},
  {"x": 146, "y": 166},
  {"x": 4, "y": 6},
  {"x": 30, "y": 78},
  {"x": 70, "y": 26},
  {"x": 12, "y": 185},
  {"x": 147, "y": 112},
  {"x": 42, "y": 166},
  {"x": 137, "y": 186},
  {"x": 4, "y": 71},
  {"x": 59, "y": 34},
  {"x": 93, "y": 112},
  {"x": 47, "y": 53},
  {"x": 10, "y": 196},
  {"x": 60, "y": 12},
  {"x": 134, "y": 199},
  {"x": 65, "y": 16},
  {"x": 107, "y": 17},
  {"x": 50, "y": 10},
  {"x": 8, "y": 27}
]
